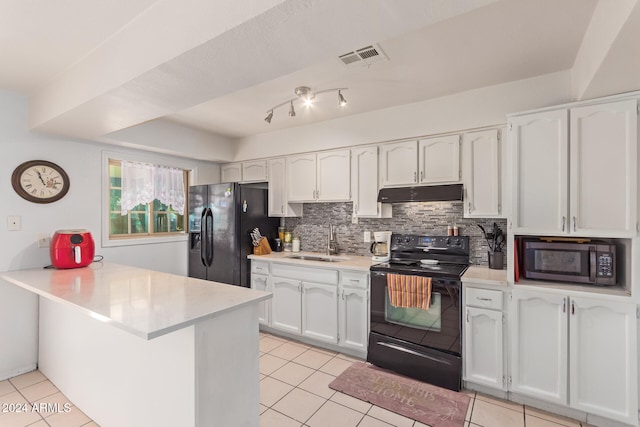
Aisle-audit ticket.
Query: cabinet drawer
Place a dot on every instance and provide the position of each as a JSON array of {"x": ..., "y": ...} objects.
[
  {"x": 354, "y": 279},
  {"x": 483, "y": 298},
  {"x": 305, "y": 274},
  {"x": 259, "y": 267}
]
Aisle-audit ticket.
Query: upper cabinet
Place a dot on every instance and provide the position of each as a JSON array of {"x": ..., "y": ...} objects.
[
  {"x": 439, "y": 160},
  {"x": 364, "y": 184},
  {"x": 482, "y": 174},
  {"x": 231, "y": 172},
  {"x": 322, "y": 176},
  {"x": 279, "y": 205},
  {"x": 251, "y": 171},
  {"x": 581, "y": 180},
  {"x": 428, "y": 161},
  {"x": 603, "y": 168}
]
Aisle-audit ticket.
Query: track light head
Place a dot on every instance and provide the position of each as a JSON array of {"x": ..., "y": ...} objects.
[
  {"x": 269, "y": 117},
  {"x": 341, "y": 99},
  {"x": 292, "y": 112}
]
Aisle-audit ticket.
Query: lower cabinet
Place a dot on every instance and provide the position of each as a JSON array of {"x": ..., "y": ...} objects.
[
  {"x": 327, "y": 306},
  {"x": 577, "y": 351},
  {"x": 483, "y": 338},
  {"x": 320, "y": 312}
]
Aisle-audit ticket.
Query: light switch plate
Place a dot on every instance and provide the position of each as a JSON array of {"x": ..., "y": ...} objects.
[
  {"x": 367, "y": 237},
  {"x": 14, "y": 223}
]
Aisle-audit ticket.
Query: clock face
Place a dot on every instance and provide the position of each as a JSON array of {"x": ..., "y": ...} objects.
[{"x": 40, "y": 181}]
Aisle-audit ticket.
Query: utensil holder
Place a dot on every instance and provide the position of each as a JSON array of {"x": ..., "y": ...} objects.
[
  {"x": 263, "y": 247},
  {"x": 496, "y": 260}
]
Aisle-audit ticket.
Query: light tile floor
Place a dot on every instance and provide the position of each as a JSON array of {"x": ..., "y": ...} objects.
[{"x": 294, "y": 392}]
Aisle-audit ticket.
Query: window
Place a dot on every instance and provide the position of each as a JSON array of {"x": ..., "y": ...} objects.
[{"x": 144, "y": 220}]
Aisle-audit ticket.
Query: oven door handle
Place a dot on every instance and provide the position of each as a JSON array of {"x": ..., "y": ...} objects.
[
  {"x": 413, "y": 352},
  {"x": 592, "y": 264}
]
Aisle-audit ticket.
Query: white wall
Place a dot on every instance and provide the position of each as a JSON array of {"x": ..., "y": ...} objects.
[
  {"x": 80, "y": 208},
  {"x": 486, "y": 106}
]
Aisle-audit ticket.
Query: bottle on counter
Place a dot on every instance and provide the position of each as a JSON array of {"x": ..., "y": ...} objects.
[{"x": 295, "y": 244}]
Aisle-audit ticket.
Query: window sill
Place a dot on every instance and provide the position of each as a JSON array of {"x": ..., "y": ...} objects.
[{"x": 109, "y": 243}]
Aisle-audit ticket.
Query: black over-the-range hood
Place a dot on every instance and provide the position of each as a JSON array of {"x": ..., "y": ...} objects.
[{"x": 427, "y": 193}]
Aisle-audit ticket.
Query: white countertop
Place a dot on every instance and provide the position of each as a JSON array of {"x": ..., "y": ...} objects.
[
  {"x": 347, "y": 262},
  {"x": 485, "y": 275},
  {"x": 143, "y": 302}
]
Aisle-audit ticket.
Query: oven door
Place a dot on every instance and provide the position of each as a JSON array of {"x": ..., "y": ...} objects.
[{"x": 439, "y": 327}]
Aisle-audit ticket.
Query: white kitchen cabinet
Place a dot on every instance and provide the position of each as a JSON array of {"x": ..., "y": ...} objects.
[
  {"x": 320, "y": 176},
  {"x": 286, "y": 306},
  {"x": 354, "y": 311},
  {"x": 597, "y": 366},
  {"x": 603, "y": 358},
  {"x": 231, "y": 172},
  {"x": 482, "y": 174},
  {"x": 603, "y": 169},
  {"x": 260, "y": 282},
  {"x": 439, "y": 160},
  {"x": 364, "y": 184},
  {"x": 538, "y": 340},
  {"x": 254, "y": 171},
  {"x": 399, "y": 164},
  {"x": 483, "y": 338},
  {"x": 580, "y": 181},
  {"x": 539, "y": 158},
  {"x": 320, "y": 312},
  {"x": 279, "y": 205}
]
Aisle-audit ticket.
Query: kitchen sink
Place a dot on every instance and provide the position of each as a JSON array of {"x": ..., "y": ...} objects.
[{"x": 318, "y": 258}]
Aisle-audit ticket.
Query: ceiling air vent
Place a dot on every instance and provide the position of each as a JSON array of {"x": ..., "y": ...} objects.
[{"x": 363, "y": 57}]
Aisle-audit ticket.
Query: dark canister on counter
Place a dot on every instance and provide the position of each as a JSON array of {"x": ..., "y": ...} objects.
[{"x": 278, "y": 244}]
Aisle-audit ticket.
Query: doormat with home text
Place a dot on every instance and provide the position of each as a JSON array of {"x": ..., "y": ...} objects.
[{"x": 426, "y": 403}]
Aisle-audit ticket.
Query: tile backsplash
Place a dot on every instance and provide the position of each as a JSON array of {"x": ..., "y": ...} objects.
[{"x": 413, "y": 218}]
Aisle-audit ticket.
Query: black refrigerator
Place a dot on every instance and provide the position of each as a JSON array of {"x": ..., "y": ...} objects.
[{"x": 220, "y": 219}]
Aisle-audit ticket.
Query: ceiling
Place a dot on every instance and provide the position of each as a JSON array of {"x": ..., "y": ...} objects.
[{"x": 96, "y": 67}]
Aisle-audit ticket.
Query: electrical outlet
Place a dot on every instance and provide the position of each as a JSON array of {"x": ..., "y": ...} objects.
[
  {"x": 44, "y": 241},
  {"x": 14, "y": 223},
  {"x": 354, "y": 219},
  {"x": 367, "y": 237}
]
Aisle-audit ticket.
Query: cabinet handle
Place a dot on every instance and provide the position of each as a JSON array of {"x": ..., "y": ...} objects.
[
  {"x": 573, "y": 308},
  {"x": 281, "y": 208},
  {"x": 564, "y": 305},
  {"x": 415, "y": 177},
  {"x": 484, "y": 299},
  {"x": 574, "y": 224},
  {"x": 469, "y": 207},
  {"x": 355, "y": 208},
  {"x": 421, "y": 176},
  {"x": 564, "y": 219},
  {"x": 354, "y": 280},
  {"x": 467, "y": 316}
]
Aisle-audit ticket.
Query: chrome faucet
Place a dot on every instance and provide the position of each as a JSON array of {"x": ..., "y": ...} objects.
[{"x": 332, "y": 245}]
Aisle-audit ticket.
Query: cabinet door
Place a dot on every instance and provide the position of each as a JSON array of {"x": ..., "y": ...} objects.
[
  {"x": 255, "y": 171},
  {"x": 354, "y": 319},
  {"x": 333, "y": 175},
  {"x": 278, "y": 203},
  {"x": 603, "y": 165},
  {"x": 260, "y": 282},
  {"x": 482, "y": 170},
  {"x": 285, "y": 304},
  {"x": 483, "y": 357},
  {"x": 603, "y": 358},
  {"x": 439, "y": 159},
  {"x": 301, "y": 178},
  {"x": 320, "y": 311},
  {"x": 539, "y": 156},
  {"x": 231, "y": 172},
  {"x": 399, "y": 164},
  {"x": 364, "y": 181},
  {"x": 538, "y": 329}
]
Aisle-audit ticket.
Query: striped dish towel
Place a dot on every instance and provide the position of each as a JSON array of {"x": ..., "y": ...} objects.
[{"x": 409, "y": 291}]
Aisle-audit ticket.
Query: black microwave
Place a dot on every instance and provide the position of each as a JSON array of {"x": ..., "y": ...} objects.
[{"x": 581, "y": 261}]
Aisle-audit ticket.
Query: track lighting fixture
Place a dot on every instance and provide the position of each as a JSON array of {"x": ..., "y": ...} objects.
[{"x": 305, "y": 93}]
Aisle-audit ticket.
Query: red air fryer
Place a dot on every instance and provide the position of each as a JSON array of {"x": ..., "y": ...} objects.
[{"x": 71, "y": 249}]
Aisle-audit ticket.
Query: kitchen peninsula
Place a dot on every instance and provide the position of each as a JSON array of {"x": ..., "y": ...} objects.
[{"x": 136, "y": 347}]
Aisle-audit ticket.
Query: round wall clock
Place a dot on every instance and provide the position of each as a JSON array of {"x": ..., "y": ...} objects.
[{"x": 40, "y": 181}]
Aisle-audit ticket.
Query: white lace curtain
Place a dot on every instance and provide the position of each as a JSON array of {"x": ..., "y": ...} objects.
[{"x": 142, "y": 183}]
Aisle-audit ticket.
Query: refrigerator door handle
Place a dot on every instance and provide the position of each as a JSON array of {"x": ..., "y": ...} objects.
[
  {"x": 210, "y": 241},
  {"x": 203, "y": 236}
]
